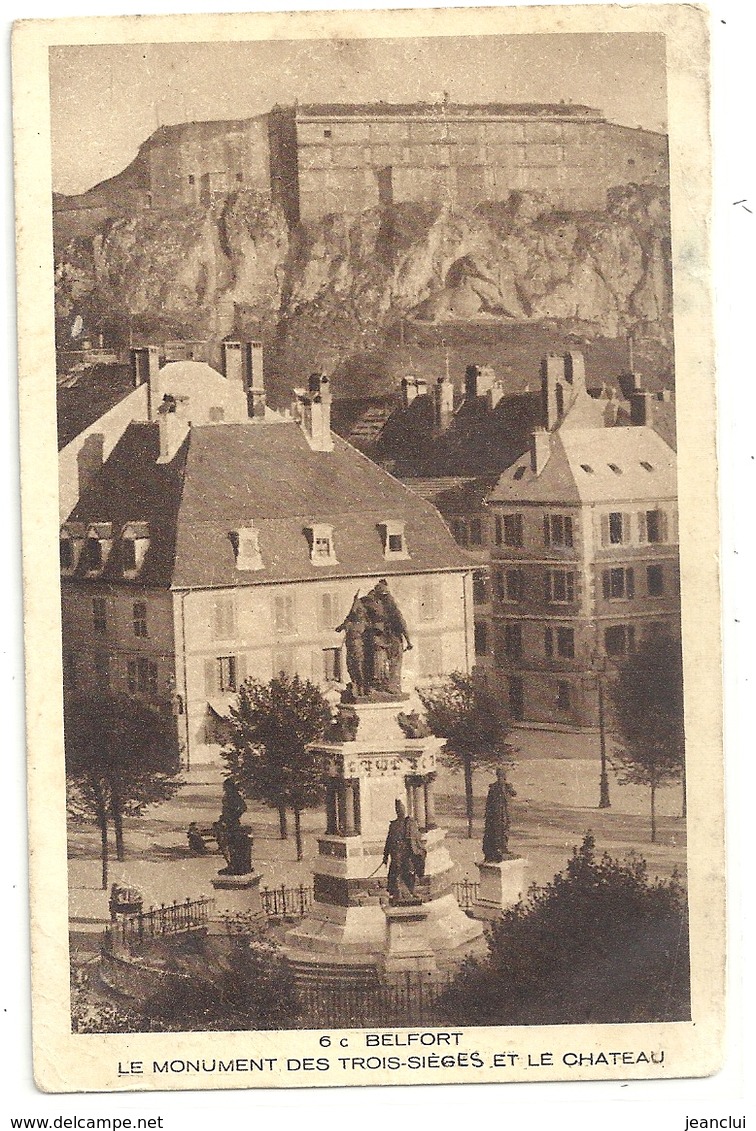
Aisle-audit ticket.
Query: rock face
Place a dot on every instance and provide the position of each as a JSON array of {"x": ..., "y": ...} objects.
[{"x": 334, "y": 292}]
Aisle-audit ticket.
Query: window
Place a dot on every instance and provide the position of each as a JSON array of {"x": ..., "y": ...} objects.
[
  {"x": 93, "y": 554},
  {"x": 321, "y": 544},
  {"x": 480, "y": 587},
  {"x": 557, "y": 530},
  {"x": 476, "y": 532},
  {"x": 619, "y": 640},
  {"x": 191, "y": 178},
  {"x": 332, "y": 665},
  {"x": 587, "y": 468},
  {"x": 655, "y": 580},
  {"x": 656, "y": 526},
  {"x": 216, "y": 414},
  {"x": 430, "y": 658},
  {"x": 142, "y": 676},
  {"x": 615, "y": 529},
  {"x": 563, "y": 696},
  {"x": 394, "y": 541},
  {"x": 284, "y": 660},
  {"x": 227, "y": 673},
  {"x": 67, "y": 557},
  {"x": 512, "y": 530},
  {"x": 563, "y": 639},
  {"x": 430, "y": 601},
  {"x": 519, "y": 472},
  {"x": 100, "y": 615},
  {"x": 646, "y": 465},
  {"x": 617, "y": 470},
  {"x": 128, "y": 549},
  {"x": 515, "y": 585},
  {"x": 246, "y": 546},
  {"x": 560, "y": 586},
  {"x": 239, "y": 178},
  {"x": 513, "y": 641},
  {"x": 481, "y": 638},
  {"x": 102, "y": 670},
  {"x": 224, "y": 618},
  {"x": 283, "y": 614},
  {"x": 327, "y": 611},
  {"x": 618, "y": 584},
  {"x": 139, "y": 614},
  {"x": 327, "y": 133}
]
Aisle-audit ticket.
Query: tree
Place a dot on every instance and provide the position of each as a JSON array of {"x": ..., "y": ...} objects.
[
  {"x": 475, "y": 725},
  {"x": 648, "y": 705},
  {"x": 600, "y": 944},
  {"x": 267, "y": 754},
  {"x": 121, "y": 756}
]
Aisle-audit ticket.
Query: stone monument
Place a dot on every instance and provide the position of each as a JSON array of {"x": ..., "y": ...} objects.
[
  {"x": 383, "y": 892},
  {"x": 238, "y": 880},
  {"x": 502, "y": 873}
]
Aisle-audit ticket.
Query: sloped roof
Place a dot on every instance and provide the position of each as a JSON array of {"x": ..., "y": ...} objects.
[
  {"x": 228, "y": 476},
  {"x": 580, "y": 469},
  {"x": 133, "y": 487}
]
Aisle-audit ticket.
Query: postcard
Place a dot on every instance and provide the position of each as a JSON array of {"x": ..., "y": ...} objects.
[{"x": 369, "y": 489}]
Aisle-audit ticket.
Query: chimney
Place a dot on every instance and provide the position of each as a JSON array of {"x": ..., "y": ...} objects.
[
  {"x": 145, "y": 365},
  {"x": 540, "y": 449},
  {"x": 89, "y": 460},
  {"x": 574, "y": 371},
  {"x": 409, "y": 391},
  {"x": 552, "y": 390},
  {"x": 443, "y": 397},
  {"x": 232, "y": 362},
  {"x": 255, "y": 379},
  {"x": 495, "y": 394},
  {"x": 174, "y": 428},
  {"x": 472, "y": 377},
  {"x": 316, "y": 413},
  {"x": 641, "y": 407}
]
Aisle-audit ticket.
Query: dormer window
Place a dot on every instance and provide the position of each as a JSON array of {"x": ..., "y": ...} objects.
[
  {"x": 135, "y": 540},
  {"x": 246, "y": 545},
  {"x": 72, "y": 537},
  {"x": 97, "y": 547},
  {"x": 322, "y": 550},
  {"x": 394, "y": 539}
]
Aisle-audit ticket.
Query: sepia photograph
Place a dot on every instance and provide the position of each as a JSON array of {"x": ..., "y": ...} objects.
[{"x": 374, "y": 651}]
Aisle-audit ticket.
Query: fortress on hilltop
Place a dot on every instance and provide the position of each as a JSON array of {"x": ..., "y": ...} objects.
[{"x": 317, "y": 159}]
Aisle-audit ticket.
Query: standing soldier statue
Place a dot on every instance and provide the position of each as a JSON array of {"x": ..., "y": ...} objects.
[
  {"x": 406, "y": 854},
  {"x": 497, "y": 822}
]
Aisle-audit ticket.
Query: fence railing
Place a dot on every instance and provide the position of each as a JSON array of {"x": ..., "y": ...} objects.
[
  {"x": 286, "y": 903},
  {"x": 412, "y": 1001},
  {"x": 293, "y": 903},
  {"x": 167, "y": 919}
]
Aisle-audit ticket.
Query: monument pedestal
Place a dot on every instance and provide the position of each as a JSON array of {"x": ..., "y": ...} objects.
[
  {"x": 501, "y": 886},
  {"x": 235, "y": 895},
  {"x": 407, "y": 944},
  {"x": 350, "y": 921}
]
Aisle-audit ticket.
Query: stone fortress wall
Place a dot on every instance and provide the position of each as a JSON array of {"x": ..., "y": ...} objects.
[{"x": 314, "y": 160}]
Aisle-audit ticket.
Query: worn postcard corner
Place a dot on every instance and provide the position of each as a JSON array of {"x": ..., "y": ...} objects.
[{"x": 369, "y": 478}]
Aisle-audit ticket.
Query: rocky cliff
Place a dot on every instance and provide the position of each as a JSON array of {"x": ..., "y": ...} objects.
[{"x": 352, "y": 292}]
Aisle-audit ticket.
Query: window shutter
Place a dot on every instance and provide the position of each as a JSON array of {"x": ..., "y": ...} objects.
[
  {"x": 605, "y": 530},
  {"x": 630, "y": 583},
  {"x": 211, "y": 678},
  {"x": 642, "y": 527},
  {"x": 568, "y": 531},
  {"x": 675, "y": 529},
  {"x": 546, "y": 530},
  {"x": 627, "y": 534},
  {"x": 664, "y": 526},
  {"x": 547, "y": 585},
  {"x": 606, "y": 584},
  {"x": 497, "y": 529},
  {"x": 241, "y": 669}
]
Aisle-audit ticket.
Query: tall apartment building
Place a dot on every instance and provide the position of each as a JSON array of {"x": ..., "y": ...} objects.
[
  {"x": 219, "y": 539},
  {"x": 583, "y": 541}
]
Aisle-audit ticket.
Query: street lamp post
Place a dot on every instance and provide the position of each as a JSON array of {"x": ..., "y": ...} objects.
[{"x": 604, "y": 802}]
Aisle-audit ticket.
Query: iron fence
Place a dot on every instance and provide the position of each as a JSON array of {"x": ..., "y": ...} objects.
[
  {"x": 466, "y": 892},
  {"x": 411, "y": 1001},
  {"x": 167, "y": 919},
  {"x": 286, "y": 903}
]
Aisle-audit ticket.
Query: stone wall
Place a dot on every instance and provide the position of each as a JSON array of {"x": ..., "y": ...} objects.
[{"x": 356, "y": 164}]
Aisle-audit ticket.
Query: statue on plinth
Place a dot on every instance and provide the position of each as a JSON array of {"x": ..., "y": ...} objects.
[
  {"x": 376, "y": 635},
  {"x": 234, "y": 842},
  {"x": 497, "y": 820},
  {"x": 405, "y": 854}
]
